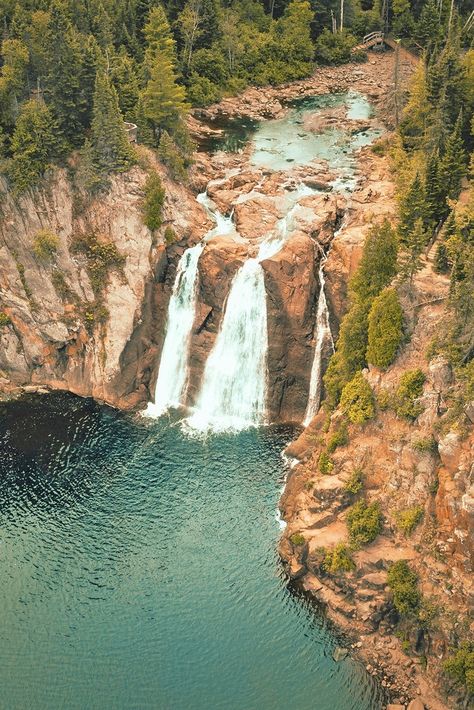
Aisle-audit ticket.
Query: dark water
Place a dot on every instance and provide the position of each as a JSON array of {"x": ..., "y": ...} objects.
[{"x": 138, "y": 570}]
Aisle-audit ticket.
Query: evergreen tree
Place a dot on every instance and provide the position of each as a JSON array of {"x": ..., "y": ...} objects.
[
  {"x": 159, "y": 39},
  {"x": 412, "y": 208},
  {"x": 357, "y": 400},
  {"x": 378, "y": 264},
  {"x": 113, "y": 152},
  {"x": 34, "y": 144},
  {"x": 88, "y": 175},
  {"x": 63, "y": 77},
  {"x": 417, "y": 111},
  {"x": 428, "y": 26},
  {"x": 163, "y": 100},
  {"x": 453, "y": 164},
  {"x": 435, "y": 192},
  {"x": 385, "y": 328},
  {"x": 441, "y": 259},
  {"x": 124, "y": 75},
  {"x": 411, "y": 257}
]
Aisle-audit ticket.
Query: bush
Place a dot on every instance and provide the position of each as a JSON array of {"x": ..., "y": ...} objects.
[
  {"x": 334, "y": 48},
  {"x": 60, "y": 284},
  {"x": 339, "y": 438},
  {"x": 403, "y": 582},
  {"x": 338, "y": 560},
  {"x": 384, "y": 399},
  {"x": 153, "y": 203},
  {"x": 357, "y": 400},
  {"x": 409, "y": 389},
  {"x": 385, "y": 328},
  {"x": 202, "y": 91},
  {"x": 460, "y": 666},
  {"x": 45, "y": 244},
  {"x": 4, "y": 319},
  {"x": 364, "y": 523},
  {"x": 169, "y": 236},
  {"x": 297, "y": 539},
  {"x": 426, "y": 446},
  {"x": 325, "y": 464},
  {"x": 408, "y": 519},
  {"x": 355, "y": 482},
  {"x": 102, "y": 257}
]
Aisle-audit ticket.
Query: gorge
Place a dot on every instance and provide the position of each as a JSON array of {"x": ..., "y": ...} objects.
[{"x": 166, "y": 529}]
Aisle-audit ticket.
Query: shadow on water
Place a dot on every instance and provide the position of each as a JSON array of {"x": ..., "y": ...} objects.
[{"x": 139, "y": 570}]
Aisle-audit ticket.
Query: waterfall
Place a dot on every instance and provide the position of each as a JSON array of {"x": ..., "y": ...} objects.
[
  {"x": 172, "y": 375},
  {"x": 233, "y": 393},
  {"x": 234, "y": 390},
  {"x": 323, "y": 336}
]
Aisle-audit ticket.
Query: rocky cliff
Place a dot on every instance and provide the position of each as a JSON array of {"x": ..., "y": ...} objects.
[
  {"x": 420, "y": 475},
  {"x": 88, "y": 316}
]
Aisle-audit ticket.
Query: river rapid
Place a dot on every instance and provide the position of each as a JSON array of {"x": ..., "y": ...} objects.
[{"x": 138, "y": 561}]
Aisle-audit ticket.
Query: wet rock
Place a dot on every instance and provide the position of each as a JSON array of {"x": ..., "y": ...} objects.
[{"x": 340, "y": 653}]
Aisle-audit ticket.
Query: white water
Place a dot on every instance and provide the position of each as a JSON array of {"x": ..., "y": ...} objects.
[
  {"x": 323, "y": 336},
  {"x": 224, "y": 225},
  {"x": 233, "y": 394},
  {"x": 172, "y": 375}
]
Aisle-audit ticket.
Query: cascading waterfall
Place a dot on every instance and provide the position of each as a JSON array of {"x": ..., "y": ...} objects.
[
  {"x": 172, "y": 375},
  {"x": 234, "y": 390},
  {"x": 323, "y": 336}
]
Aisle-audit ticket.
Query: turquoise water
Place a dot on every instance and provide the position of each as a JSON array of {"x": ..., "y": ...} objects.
[
  {"x": 139, "y": 570},
  {"x": 278, "y": 144}
]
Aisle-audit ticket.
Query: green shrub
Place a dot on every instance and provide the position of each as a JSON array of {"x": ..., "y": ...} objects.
[
  {"x": 339, "y": 438},
  {"x": 426, "y": 445},
  {"x": 4, "y": 319},
  {"x": 152, "y": 206},
  {"x": 357, "y": 400},
  {"x": 202, "y": 91},
  {"x": 355, "y": 482},
  {"x": 325, "y": 464},
  {"x": 102, "y": 257},
  {"x": 334, "y": 48},
  {"x": 460, "y": 666},
  {"x": 338, "y": 560},
  {"x": 45, "y": 244},
  {"x": 169, "y": 236},
  {"x": 384, "y": 399},
  {"x": 403, "y": 582},
  {"x": 441, "y": 260},
  {"x": 385, "y": 328},
  {"x": 364, "y": 523},
  {"x": 297, "y": 539},
  {"x": 408, "y": 519},
  {"x": 409, "y": 389}
]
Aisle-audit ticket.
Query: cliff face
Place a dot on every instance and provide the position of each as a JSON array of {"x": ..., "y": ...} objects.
[
  {"x": 425, "y": 465},
  {"x": 62, "y": 332}
]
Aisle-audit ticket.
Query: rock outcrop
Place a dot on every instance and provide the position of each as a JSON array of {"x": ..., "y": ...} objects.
[{"x": 62, "y": 332}]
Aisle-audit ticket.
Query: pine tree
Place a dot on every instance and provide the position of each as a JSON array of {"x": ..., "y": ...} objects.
[
  {"x": 412, "y": 208},
  {"x": 453, "y": 163},
  {"x": 109, "y": 139},
  {"x": 125, "y": 79},
  {"x": 417, "y": 111},
  {"x": 441, "y": 259},
  {"x": 428, "y": 26},
  {"x": 63, "y": 77},
  {"x": 435, "y": 192},
  {"x": 34, "y": 144},
  {"x": 378, "y": 264},
  {"x": 411, "y": 257},
  {"x": 159, "y": 39},
  {"x": 163, "y": 99},
  {"x": 385, "y": 328}
]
